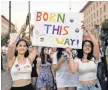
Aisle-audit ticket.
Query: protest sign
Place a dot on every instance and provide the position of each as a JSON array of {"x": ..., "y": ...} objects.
[{"x": 54, "y": 29}]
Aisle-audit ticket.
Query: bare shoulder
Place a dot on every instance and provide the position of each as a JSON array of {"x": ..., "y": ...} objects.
[{"x": 11, "y": 62}]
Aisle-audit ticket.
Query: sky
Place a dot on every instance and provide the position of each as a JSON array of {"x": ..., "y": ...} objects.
[{"x": 19, "y": 9}]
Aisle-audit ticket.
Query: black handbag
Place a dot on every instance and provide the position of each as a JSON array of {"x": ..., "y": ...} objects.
[{"x": 54, "y": 85}]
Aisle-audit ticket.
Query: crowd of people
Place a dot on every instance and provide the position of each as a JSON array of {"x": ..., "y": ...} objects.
[
  {"x": 58, "y": 68},
  {"x": 4, "y": 57}
]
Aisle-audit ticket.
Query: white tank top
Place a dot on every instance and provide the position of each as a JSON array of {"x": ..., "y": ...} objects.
[
  {"x": 87, "y": 71},
  {"x": 21, "y": 71}
]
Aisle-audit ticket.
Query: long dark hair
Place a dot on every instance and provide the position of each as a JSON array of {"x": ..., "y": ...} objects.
[
  {"x": 80, "y": 51},
  {"x": 59, "y": 53},
  {"x": 42, "y": 56},
  {"x": 104, "y": 68},
  {"x": 106, "y": 42},
  {"x": 26, "y": 53}
]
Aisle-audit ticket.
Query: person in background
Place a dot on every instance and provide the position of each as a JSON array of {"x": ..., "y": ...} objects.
[
  {"x": 44, "y": 70},
  {"x": 64, "y": 78},
  {"x": 4, "y": 57},
  {"x": 51, "y": 53},
  {"x": 34, "y": 71},
  {"x": 1, "y": 61},
  {"x": 105, "y": 66},
  {"x": 106, "y": 51},
  {"x": 99, "y": 69}
]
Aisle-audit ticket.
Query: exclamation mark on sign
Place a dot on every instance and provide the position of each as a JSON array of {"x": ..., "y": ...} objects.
[{"x": 77, "y": 42}]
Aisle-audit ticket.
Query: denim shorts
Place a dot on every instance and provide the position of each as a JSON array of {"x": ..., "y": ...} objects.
[{"x": 94, "y": 86}]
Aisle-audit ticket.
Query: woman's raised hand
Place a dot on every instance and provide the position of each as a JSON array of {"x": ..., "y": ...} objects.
[
  {"x": 69, "y": 50},
  {"x": 84, "y": 28},
  {"x": 23, "y": 28}
]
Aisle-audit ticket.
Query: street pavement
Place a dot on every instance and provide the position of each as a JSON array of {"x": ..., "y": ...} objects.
[{"x": 5, "y": 80}]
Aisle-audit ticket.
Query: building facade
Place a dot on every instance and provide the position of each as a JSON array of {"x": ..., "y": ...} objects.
[
  {"x": 5, "y": 26},
  {"x": 95, "y": 12}
]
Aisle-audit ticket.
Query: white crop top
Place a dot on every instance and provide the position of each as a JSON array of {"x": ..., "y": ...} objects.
[
  {"x": 21, "y": 71},
  {"x": 87, "y": 71}
]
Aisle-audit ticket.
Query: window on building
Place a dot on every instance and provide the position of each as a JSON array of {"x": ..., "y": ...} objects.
[
  {"x": 94, "y": 22},
  {"x": 91, "y": 17},
  {"x": 84, "y": 21},
  {"x": 100, "y": 2},
  {"x": 97, "y": 21},
  {"x": 94, "y": 7},
  {"x": 91, "y": 9},
  {"x": 100, "y": 11},
  {"x": 91, "y": 25},
  {"x": 104, "y": 17},
  {"x": 97, "y": 13},
  {"x": 104, "y": 8},
  {"x": 96, "y": 4},
  {"x": 94, "y": 15},
  {"x": 101, "y": 19}
]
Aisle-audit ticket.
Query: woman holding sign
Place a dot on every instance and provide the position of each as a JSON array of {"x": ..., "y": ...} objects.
[
  {"x": 64, "y": 78},
  {"x": 86, "y": 64},
  {"x": 20, "y": 62}
]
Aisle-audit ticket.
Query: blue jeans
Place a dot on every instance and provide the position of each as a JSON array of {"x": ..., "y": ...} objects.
[{"x": 94, "y": 86}]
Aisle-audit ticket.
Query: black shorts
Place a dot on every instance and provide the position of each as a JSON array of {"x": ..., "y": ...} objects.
[
  {"x": 34, "y": 73},
  {"x": 27, "y": 87}
]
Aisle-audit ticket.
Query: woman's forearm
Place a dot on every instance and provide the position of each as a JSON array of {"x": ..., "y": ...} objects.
[
  {"x": 57, "y": 66},
  {"x": 94, "y": 40},
  {"x": 11, "y": 47},
  {"x": 72, "y": 65},
  {"x": 23, "y": 28},
  {"x": 38, "y": 71},
  {"x": 96, "y": 45}
]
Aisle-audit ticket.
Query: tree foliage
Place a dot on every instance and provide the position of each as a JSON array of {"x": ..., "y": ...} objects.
[{"x": 104, "y": 30}]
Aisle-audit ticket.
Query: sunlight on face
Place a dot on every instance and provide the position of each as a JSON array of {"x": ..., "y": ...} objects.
[
  {"x": 22, "y": 48},
  {"x": 46, "y": 51},
  {"x": 87, "y": 47}
]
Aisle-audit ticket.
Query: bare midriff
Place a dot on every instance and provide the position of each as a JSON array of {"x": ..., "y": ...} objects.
[
  {"x": 88, "y": 82},
  {"x": 21, "y": 83}
]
